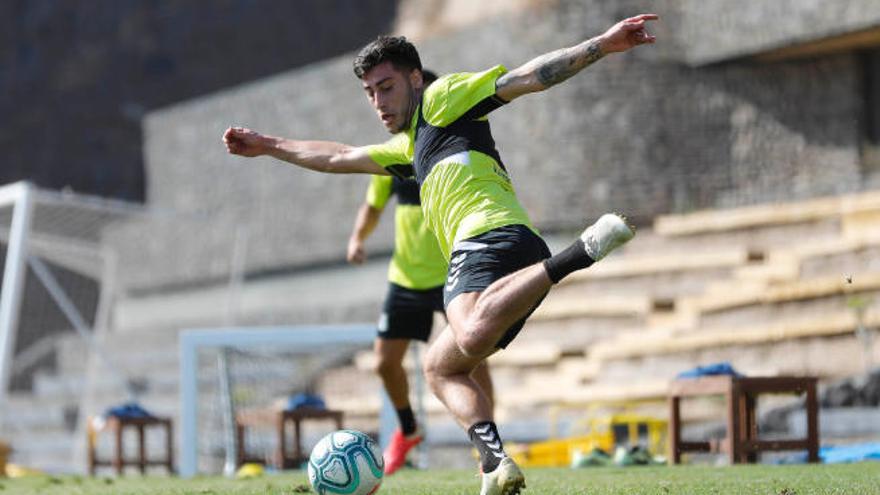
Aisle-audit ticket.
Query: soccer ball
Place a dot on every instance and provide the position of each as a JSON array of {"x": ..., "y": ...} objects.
[{"x": 346, "y": 461}]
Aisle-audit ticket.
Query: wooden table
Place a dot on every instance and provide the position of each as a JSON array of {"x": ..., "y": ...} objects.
[
  {"x": 283, "y": 458},
  {"x": 742, "y": 443},
  {"x": 117, "y": 426}
]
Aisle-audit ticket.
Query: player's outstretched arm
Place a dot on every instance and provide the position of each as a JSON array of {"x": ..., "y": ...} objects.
[
  {"x": 366, "y": 221},
  {"x": 552, "y": 68},
  {"x": 321, "y": 156}
]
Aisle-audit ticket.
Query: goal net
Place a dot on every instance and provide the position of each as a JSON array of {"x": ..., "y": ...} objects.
[
  {"x": 57, "y": 292},
  {"x": 56, "y": 275},
  {"x": 246, "y": 376}
]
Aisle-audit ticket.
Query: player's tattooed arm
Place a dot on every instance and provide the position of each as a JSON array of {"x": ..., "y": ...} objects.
[
  {"x": 321, "y": 156},
  {"x": 552, "y": 68},
  {"x": 549, "y": 69},
  {"x": 555, "y": 67}
]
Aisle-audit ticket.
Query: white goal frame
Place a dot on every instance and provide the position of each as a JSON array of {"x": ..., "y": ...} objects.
[
  {"x": 193, "y": 340},
  {"x": 20, "y": 196},
  {"x": 28, "y": 245}
]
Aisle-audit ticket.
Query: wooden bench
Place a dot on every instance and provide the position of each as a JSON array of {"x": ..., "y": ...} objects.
[
  {"x": 117, "y": 426},
  {"x": 742, "y": 444},
  {"x": 284, "y": 459}
]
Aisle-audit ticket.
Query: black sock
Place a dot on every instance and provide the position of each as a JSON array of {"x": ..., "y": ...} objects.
[
  {"x": 570, "y": 259},
  {"x": 407, "y": 421},
  {"x": 484, "y": 436}
]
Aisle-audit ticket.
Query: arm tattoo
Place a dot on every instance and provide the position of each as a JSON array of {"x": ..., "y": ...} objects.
[{"x": 555, "y": 67}]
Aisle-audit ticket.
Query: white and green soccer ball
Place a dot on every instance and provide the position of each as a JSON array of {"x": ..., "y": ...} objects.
[{"x": 346, "y": 462}]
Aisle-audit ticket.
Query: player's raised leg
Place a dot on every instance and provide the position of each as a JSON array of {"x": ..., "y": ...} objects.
[{"x": 480, "y": 319}]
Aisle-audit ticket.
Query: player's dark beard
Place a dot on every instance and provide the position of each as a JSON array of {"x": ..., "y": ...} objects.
[{"x": 411, "y": 107}]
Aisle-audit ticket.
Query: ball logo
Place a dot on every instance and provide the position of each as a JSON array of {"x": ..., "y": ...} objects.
[{"x": 336, "y": 472}]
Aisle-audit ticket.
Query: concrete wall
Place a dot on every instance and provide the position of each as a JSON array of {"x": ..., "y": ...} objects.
[
  {"x": 642, "y": 133},
  {"x": 716, "y": 30},
  {"x": 76, "y": 77},
  {"x": 292, "y": 217}
]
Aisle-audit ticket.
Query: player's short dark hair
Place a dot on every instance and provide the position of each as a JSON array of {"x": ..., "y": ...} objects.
[
  {"x": 395, "y": 49},
  {"x": 428, "y": 76}
]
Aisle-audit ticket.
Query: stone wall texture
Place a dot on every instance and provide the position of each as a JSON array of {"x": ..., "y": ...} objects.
[
  {"x": 715, "y": 30},
  {"x": 645, "y": 133},
  {"x": 77, "y": 77}
]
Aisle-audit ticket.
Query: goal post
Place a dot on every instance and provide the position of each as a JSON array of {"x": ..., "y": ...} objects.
[
  {"x": 19, "y": 196},
  {"x": 303, "y": 340},
  {"x": 57, "y": 275},
  {"x": 59, "y": 279}
]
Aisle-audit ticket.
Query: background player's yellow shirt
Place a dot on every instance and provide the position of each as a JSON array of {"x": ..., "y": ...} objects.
[
  {"x": 465, "y": 190},
  {"x": 417, "y": 262}
]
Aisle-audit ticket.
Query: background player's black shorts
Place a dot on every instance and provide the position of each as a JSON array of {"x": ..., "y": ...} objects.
[
  {"x": 409, "y": 313},
  {"x": 479, "y": 261}
]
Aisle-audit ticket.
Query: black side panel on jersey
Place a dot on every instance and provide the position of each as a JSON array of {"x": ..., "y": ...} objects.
[
  {"x": 401, "y": 171},
  {"x": 483, "y": 108},
  {"x": 407, "y": 191},
  {"x": 433, "y": 144}
]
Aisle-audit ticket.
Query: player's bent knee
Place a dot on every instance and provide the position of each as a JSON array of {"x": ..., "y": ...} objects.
[
  {"x": 432, "y": 375},
  {"x": 469, "y": 337},
  {"x": 472, "y": 344},
  {"x": 434, "y": 369}
]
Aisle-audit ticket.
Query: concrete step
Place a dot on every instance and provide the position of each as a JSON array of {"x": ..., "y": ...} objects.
[
  {"x": 574, "y": 334},
  {"x": 135, "y": 352},
  {"x": 51, "y": 384},
  {"x": 73, "y": 387},
  {"x": 787, "y": 310},
  {"x": 823, "y": 356},
  {"x": 864, "y": 257},
  {"x": 654, "y": 284},
  {"x": 24, "y": 412},
  {"x": 45, "y": 449},
  {"x": 344, "y": 293},
  {"x": 40, "y": 438},
  {"x": 772, "y": 215},
  {"x": 49, "y": 461}
]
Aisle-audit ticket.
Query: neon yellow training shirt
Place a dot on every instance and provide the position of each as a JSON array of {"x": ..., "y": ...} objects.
[
  {"x": 465, "y": 190},
  {"x": 417, "y": 262}
]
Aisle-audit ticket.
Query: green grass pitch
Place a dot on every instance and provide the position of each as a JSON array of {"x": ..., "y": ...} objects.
[{"x": 856, "y": 479}]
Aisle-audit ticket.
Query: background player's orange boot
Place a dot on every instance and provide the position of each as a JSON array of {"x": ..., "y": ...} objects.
[{"x": 395, "y": 453}]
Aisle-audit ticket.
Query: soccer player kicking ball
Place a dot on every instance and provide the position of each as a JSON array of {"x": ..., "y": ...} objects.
[
  {"x": 499, "y": 268},
  {"x": 415, "y": 291}
]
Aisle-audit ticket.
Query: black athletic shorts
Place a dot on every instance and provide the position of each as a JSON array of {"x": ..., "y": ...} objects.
[
  {"x": 479, "y": 261},
  {"x": 409, "y": 313}
]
